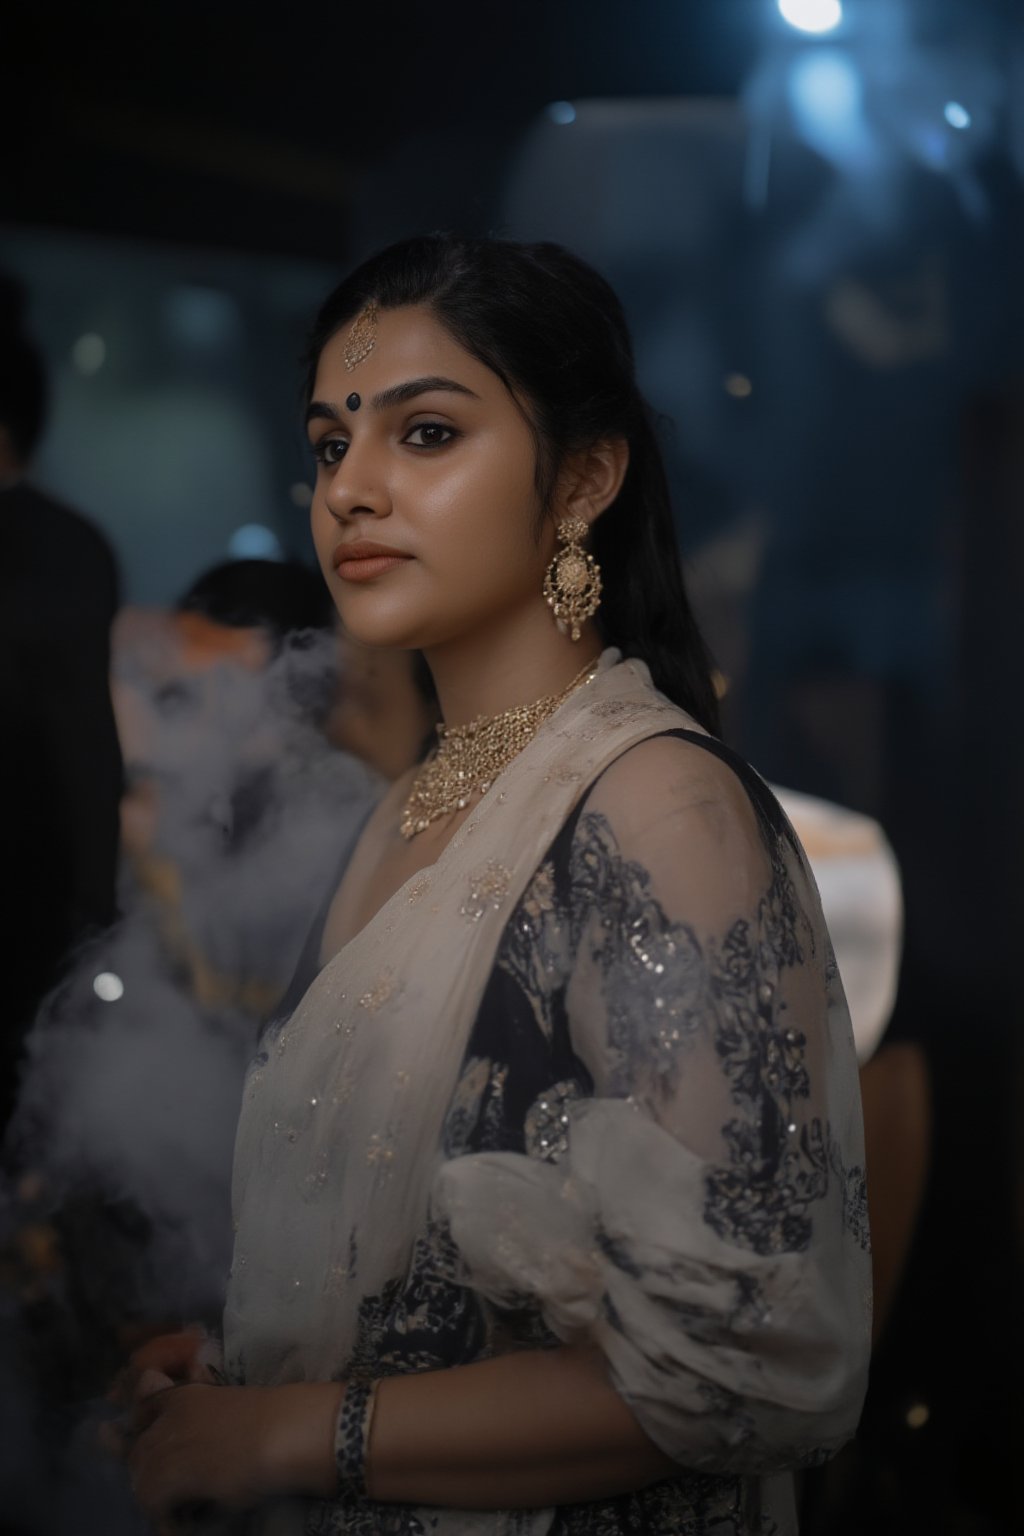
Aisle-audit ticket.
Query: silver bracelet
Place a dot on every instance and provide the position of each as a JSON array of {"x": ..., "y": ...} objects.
[{"x": 352, "y": 1437}]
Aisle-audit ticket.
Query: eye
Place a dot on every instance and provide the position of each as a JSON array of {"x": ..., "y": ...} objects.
[
  {"x": 330, "y": 450},
  {"x": 430, "y": 434}
]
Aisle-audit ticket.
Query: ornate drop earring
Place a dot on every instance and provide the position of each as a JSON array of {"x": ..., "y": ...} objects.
[{"x": 572, "y": 582}]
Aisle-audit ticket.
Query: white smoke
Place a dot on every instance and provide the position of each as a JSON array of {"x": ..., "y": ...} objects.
[{"x": 131, "y": 1087}]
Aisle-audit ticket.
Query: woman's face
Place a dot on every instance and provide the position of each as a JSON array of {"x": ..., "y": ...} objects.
[{"x": 436, "y": 463}]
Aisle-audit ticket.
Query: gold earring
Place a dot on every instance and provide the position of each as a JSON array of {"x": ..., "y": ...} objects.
[{"x": 572, "y": 582}]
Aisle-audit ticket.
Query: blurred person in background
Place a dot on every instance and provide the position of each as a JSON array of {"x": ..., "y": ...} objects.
[
  {"x": 60, "y": 779},
  {"x": 237, "y": 815},
  {"x": 223, "y": 709},
  {"x": 385, "y": 710}
]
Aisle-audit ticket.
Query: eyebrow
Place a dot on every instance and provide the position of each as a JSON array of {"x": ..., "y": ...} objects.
[{"x": 397, "y": 394}]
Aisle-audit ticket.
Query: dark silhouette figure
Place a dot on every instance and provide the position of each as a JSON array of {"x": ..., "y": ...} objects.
[{"x": 60, "y": 769}]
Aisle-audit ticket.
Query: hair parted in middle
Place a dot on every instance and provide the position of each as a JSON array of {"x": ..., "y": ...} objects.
[{"x": 553, "y": 330}]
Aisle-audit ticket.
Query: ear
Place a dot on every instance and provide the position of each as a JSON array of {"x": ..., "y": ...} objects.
[{"x": 591, "y": 479}]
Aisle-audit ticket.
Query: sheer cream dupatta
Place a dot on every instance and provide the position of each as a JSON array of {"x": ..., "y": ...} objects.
[{"x": 339, "y": 1137}]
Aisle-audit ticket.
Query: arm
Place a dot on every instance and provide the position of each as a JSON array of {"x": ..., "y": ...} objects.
[
  {"x": 706, "y": 1225},
  {"x": 521, "y": 1431}
]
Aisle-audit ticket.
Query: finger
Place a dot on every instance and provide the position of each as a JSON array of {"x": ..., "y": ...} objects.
[
  {"x": 122, "y": 1388},
  {"x": 111, "y": 1438},
  {"x": 151, "y": 1382},
  {"x": 197, "y": 1372},
  {"x": 171, "y": 1353},
  {"x": 149, "y": 1407}
]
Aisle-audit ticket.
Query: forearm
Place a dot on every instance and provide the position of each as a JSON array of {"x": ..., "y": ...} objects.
[
  {"x": 525, "y": 1430},
  {"x": 522, "y": 1431}
]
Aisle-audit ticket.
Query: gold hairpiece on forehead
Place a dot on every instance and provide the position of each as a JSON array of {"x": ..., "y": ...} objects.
[{"x": 362, "y": 338}]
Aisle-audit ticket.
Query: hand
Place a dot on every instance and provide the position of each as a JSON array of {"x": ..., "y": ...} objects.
[
  {"x": 179, "y": 1356},
  {"x": 167, "y": 1359},
  {"x": 232, "y": 1447},
  {"x": 199, "y": 1445}
]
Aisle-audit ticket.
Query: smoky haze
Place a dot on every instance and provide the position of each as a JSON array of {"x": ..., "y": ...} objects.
[{"x": 238, "y": 818}]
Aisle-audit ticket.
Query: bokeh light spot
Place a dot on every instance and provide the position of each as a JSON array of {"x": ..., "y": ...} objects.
[
  {"x": 89, "y": 353},
  {"x": 812, "y": 15},
  {"x": 108, "y": 987},
  {"x": 562, "y": 112},
  {"x": 254, "y": 541},
  {"x": 739, "y": 386},
  {"x": 957, "y": 115}
]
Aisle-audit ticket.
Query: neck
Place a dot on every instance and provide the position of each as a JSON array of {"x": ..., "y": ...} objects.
[{"x": 485, "y": 674}]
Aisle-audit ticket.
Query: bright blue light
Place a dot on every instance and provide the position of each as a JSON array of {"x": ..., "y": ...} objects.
[
  {"x": 562, "y": 112},
  {"x": 827, "y": 99},
  {"x": 812, "y": 15},
  {"x": 254, "y": 542},
  {"x": 957, "y": 116}
]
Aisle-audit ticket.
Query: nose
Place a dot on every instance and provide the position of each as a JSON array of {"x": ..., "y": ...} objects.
[{"x": 358, "y": 488}]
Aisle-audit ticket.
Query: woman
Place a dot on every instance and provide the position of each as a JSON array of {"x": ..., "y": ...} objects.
[{"x": 549, "y": 1198}]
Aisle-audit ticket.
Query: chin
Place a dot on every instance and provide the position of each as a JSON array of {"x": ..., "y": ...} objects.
[
  {"x": 372, "y": 620},
  {"x": 391, "y": 632}
]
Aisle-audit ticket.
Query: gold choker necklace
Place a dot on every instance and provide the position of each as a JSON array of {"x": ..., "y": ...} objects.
[{"x": 468, "y": 758}]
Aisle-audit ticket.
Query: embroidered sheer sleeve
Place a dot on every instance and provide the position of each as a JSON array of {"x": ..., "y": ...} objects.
[{"x": 699, "y": 1209}]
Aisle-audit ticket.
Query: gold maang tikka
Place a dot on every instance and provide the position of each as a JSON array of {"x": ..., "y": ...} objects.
[
  {"x": 572, "y": 582},
  {"x": 362, "y": 337}
]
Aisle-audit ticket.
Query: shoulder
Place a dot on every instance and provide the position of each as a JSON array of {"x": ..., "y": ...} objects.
[
  {"x": 39, "y": 522},
  {"x": 24, "y": 500},
  {"x": 673, "y": 775},
  {"x": 688, "y": 813}
]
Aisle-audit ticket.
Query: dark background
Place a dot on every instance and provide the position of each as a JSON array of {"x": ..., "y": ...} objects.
[
  {"x": 825, "y": 283},
  {"x": 294, "y": 129}
]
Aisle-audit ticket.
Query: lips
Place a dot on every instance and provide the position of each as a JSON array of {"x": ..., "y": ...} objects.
[{"x": 364, "y": 561}]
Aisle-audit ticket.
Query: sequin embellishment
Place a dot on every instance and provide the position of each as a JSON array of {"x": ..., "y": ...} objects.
[
  {"x": 488, "y": 888},
  {"x": 383, "y": 989},
  {"x": 379, "y": 1151},
  {"x": 547, "y": 1121},
  {"x": 351, "y": 1436}
]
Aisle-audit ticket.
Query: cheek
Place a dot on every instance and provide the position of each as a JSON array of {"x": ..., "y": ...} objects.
[
  {"x": 323, "y": 528},
  {"x": 478, "y": 521}
]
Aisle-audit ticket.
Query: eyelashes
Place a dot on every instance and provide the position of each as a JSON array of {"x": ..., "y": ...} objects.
[
  {"x": 431, "y": 426},
  {"x": 324, "y": 451},
  {"x": 330, "y": 451}
]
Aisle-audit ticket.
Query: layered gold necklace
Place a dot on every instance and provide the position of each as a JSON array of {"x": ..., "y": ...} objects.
[{"x": 468, "y": 758}]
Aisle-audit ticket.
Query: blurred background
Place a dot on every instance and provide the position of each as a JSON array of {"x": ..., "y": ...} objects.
[{"x": 814, "y": 214}]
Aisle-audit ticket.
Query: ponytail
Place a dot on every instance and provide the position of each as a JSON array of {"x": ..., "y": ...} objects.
[{"x": 644, "y": 609}]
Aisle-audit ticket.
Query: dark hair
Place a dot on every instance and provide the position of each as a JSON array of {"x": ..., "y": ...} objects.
[
  {"x": 279, "y": 597},
  {"x": 291, "y": 605},
  {"x": 23, "y": 391},
  {"x": 554, "y": 331}
]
